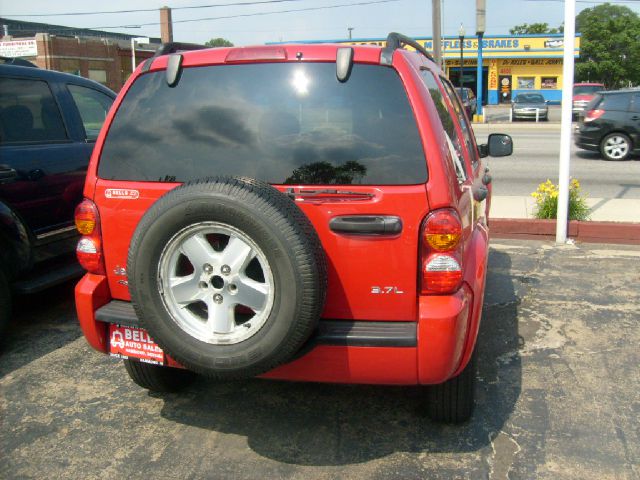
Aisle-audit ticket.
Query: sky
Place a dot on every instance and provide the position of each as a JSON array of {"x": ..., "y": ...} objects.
[{"x": 411, "y": 17}]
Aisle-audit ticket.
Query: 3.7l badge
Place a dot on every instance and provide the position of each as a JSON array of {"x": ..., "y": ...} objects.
[{"x": 386, "y": 290}]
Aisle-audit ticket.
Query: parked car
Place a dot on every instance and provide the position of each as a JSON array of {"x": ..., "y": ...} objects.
[
  {"x": 279, "y": 211},
  {"x": 48, "y": 126},
  {"x": 468, "y": 100},
  {"x": 583, "y": 93},
  {"x": 529, "y": 106},
  {"x": 611, "y": 124}
]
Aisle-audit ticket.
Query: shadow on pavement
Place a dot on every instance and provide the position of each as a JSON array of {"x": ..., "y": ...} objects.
[
  {"x": 40, "y": 324},
  {"x": 323, "y": 424}
]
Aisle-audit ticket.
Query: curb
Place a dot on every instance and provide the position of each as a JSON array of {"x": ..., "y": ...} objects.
[{"x": 588, "y": 232}]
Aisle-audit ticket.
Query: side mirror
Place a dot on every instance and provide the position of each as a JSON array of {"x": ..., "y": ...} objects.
[{"x": 500, "y": 145}]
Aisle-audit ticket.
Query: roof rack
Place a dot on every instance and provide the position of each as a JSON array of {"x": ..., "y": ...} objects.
[
  {"x": 17, "y": 61},
  {"x": 397, "y": 40},
  {"x": 168, "y": 48},
  {"x": 173, "y": 47}
]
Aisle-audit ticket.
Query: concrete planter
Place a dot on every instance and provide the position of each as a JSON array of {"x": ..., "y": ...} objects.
[{"x": 588, "y": 231}]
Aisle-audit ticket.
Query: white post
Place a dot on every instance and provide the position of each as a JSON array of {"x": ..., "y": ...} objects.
[
  {"x": 133, "y": 54},
  {"x": 565, "y": 126},
  {"x": 135, "y": 40}
]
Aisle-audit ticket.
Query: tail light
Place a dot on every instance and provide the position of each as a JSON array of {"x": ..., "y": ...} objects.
[
  {"x": 441, "y": 252},
  {"x": 89, "y": 249},
  {"x": 592, "y": 115}
]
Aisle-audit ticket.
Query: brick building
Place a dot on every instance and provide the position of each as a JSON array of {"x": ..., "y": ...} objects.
[{"x": 101, "y": 56}]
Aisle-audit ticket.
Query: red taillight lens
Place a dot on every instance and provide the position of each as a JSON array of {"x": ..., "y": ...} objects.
[
  {"x": 89, "y": 249},
  {"x": 441, "y": 260},
  {"x": 592, "y": 115},
  {"x": 86, "y": 217},
  {"x": 443, "y": 230}
]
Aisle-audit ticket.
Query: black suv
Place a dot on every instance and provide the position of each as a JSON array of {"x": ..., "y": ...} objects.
[
  {"x": 49, "y": 122},
  {"x": 611, "y": 124}
]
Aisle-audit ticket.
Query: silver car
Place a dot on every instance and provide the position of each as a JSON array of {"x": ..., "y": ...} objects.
[{"x": 529, "y": 106}]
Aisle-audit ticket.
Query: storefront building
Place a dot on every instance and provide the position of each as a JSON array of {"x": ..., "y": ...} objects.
[
  {"x": 511, "y": 64},
  {"x": 98, "y": 55}
]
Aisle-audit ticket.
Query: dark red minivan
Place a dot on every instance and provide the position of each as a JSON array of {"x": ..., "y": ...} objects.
[{"x": 298, "y": 212}]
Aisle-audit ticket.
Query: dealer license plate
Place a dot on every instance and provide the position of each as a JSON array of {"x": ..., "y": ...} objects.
[{"x": 131, "y": 342}]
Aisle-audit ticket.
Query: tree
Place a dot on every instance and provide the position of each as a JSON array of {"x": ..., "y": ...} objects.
[
  {"x": 610, "y": 46},
  {"x": 218, "y": 42},
  {"x": 533, "y": 28}
]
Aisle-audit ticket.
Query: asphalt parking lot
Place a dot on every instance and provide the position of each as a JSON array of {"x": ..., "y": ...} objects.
[{"x": 557, "y": 397}]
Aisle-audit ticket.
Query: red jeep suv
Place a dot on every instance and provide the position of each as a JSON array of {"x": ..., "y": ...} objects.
[{"x": 298, "y": 212}]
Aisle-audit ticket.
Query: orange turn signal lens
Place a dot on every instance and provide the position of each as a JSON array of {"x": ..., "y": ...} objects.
[
  {"x": 443, "y": 241},
  {"x": 86, "y": 217},
  {"x": 85, "y": 227}
]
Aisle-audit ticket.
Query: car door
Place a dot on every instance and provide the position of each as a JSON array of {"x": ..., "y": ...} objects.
[
  {"x": 633, "y": 120},
  {"x": 37, "y": 152}
]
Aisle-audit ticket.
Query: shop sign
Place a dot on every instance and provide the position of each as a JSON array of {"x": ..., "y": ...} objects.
[
  {"x": 19, "y": 48},
  {"x": 531, "y": 61}
]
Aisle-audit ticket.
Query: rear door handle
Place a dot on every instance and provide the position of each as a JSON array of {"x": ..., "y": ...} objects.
[
  {"x": 366, "y": 224},
  {"x": 635, "y": 117}
]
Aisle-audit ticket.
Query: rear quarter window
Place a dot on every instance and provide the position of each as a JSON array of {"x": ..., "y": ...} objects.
[
  {"x": 282, "y": 123},
  {"x": 618, "y": 101}
]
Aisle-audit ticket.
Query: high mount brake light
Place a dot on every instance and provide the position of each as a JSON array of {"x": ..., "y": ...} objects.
[
  {"x": 89, "y": 249},
  {"x": 256, "y": 54},
  {"x": 592, "y": 115},
  {"x": 441, "y": 252}
]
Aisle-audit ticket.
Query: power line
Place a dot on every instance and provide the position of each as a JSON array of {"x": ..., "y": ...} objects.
[
  {"x": 233, "y": 4},
  {"x": 258, "y": 14}
]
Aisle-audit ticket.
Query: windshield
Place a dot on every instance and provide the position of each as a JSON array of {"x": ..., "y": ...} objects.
[
  {"x": 587, "y": 89},
  {"x": 283, "y": 123},
  {"x": 529, "y": 98}
]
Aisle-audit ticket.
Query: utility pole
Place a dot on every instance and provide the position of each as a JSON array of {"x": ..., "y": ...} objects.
[
  {"x": 350, "y": 30},
  {"x": 481, "y": 12},
  {"x": 565, "y": 124},
  {"x": 437, "y": 33}
]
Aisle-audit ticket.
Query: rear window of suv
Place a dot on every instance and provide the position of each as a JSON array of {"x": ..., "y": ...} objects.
[{"x": 282, "y": 123}]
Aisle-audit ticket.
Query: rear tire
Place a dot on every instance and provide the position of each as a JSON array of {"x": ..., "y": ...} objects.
[
  {"x": 453, "y": 400},
  {"x": 615, "y": 147},
  {"x": 5, "y": 302},
  {"x": 157, "y": 378}
]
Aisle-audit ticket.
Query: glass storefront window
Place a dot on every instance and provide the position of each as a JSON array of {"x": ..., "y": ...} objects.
[{"x": 526, "y": 83}]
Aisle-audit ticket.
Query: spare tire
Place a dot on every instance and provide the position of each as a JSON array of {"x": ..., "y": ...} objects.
[{"x": 227, "y": 275}]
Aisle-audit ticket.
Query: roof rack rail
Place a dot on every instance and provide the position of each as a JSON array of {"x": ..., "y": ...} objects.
[
  {"x": 397, "y": 40},
  {"x": 17, "y": 61},
  {"x": 168, "y": 48},
  {"x": 173, "y": 47}
]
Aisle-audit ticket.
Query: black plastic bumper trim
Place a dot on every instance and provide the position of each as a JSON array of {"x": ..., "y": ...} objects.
[
  {"x": 118, "y": 312},
  {"x": 329, "y": 332}
]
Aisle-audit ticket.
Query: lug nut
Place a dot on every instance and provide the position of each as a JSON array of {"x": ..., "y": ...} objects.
[
  {"x": 207, "y": 268},
  {"x": 225, "y": 269},
  {"x": 218, "y": 298}
]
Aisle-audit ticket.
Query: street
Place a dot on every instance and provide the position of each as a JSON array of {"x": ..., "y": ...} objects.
[
  {"x": 557, "y": 395},
  {"x": 535, "y": 159}
]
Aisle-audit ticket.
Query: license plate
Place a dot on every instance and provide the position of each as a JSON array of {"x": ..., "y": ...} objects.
[{"x": 131, "y": 342}]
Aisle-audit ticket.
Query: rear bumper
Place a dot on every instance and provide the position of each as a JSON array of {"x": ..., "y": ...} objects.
[
  {"x": 588, "y": 138},
  {"x": 428, "y": 351}
]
